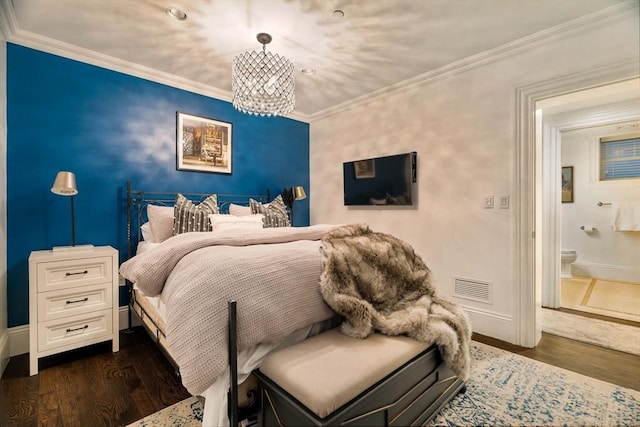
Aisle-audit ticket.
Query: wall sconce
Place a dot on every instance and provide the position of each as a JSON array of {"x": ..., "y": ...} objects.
[
  {"x": 289, "y": 195},
  {"x": 65, "y": 185}
]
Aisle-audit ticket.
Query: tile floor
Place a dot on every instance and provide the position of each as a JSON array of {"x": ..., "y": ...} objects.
[{"x": 608, "y": 298}]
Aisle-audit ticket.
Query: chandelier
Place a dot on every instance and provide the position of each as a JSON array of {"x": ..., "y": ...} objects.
[{"x": 262, "y": 83}]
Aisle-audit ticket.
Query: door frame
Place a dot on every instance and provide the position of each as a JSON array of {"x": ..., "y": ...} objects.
[{"x": 529, "y": 171}]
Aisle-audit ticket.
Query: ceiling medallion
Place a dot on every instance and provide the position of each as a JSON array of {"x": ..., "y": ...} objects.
[{"x": 262, "y": 83}]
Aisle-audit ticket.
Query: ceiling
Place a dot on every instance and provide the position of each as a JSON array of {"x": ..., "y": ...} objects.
[{"x": 375, "y": 45}]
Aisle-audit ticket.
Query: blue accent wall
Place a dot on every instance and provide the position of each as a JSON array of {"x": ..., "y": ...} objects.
[{"x": 107, "y": 128}]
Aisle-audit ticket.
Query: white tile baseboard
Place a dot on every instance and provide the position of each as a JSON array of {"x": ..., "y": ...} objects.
[{"x": 607, "y": 272}]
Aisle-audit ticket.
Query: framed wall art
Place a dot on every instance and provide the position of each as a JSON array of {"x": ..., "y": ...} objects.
[
  {"x": 567, "y": 184},
  {"x": 203, "y": 144}
]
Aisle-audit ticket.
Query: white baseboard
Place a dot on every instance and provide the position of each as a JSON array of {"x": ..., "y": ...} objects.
[
  {"x": 606, "y": 272},
  {"x": 18, "y": 341},
  {"x": 491, "y": 324},
  {"x": 4, "y": 351}
]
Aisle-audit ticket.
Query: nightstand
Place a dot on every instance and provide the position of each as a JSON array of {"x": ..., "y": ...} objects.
[{"x": 73, "y": 300}]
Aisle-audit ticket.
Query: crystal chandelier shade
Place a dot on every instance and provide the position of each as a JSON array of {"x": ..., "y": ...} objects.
[{"x": 262, "y": 83}]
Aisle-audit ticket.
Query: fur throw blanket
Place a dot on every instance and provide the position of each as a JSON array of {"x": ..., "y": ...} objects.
[{"x": 377, "y": 282}]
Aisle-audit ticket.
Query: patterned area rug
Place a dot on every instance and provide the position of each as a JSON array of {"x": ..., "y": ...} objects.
[
  {"x": 187, "y": 413},
  {"x": 504, "y": 390},
  {"x": 510, "y": 390}
]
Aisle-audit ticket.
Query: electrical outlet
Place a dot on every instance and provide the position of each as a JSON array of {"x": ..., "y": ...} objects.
[
  {"x": 488, "y": 202},
  {"x": 504, "y": 201}
]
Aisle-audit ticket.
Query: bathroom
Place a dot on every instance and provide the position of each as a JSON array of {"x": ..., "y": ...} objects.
[{"x": 600, "y": 267}]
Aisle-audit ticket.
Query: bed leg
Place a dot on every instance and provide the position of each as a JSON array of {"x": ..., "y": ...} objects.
[
  {"x": 233, "y": 365},
  {"x": 129, "y": 308},
  {"x": 129, "y": 254}
]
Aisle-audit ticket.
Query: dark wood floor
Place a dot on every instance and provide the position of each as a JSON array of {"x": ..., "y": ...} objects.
[
  {"x": 90, "y": 387},
  {"x": 94, "y": 387}
]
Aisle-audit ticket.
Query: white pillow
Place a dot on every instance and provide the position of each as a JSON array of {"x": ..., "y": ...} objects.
[
  {"x": 239, "y": 210},
  {"x": 161, "y": 221},
  {"x": 231, "y": 222},
  {"x": 147, "y": 234}
]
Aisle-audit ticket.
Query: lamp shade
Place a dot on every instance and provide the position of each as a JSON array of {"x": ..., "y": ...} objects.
[
  {"x": 298, "y": 193},
  {"x": 65, "y": 184}
]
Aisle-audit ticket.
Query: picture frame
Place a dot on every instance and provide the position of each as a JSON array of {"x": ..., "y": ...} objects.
[
  {"x": 567, "y": 184},
  {"x": 365, "y": 168},
  {"x": 203, "y": 144}
]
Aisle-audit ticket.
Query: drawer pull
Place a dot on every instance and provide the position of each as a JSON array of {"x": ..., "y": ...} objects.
[
  {"x": 80, "y": 300},
  {"x": 77, "y": 329},
  {"x": 75, "y": 274}
]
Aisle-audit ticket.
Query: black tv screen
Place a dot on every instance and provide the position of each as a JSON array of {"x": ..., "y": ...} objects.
[{"x": 380, "y": 180}]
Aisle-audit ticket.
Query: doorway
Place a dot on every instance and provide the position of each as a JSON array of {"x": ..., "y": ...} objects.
[
  {"x": 571, "y": 126},
  {"x": 538, "y": 182},
  {"x": 600, "y": 273}
]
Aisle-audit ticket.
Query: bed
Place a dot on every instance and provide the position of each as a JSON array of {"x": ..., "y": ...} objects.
[
  {"x": 145, "y": 207},
  {"x": 207, "y": 297},
  {"x": 139, "y": 236}
]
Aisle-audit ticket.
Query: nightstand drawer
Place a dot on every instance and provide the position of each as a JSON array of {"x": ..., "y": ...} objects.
[
  {"x": 74, "y": 330},
  {"x": 74, "y": 272},
  {"x": 74, "y": 301}
]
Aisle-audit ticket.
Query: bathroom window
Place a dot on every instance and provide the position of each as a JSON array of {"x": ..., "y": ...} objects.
[{"x": 620, "y": 157}]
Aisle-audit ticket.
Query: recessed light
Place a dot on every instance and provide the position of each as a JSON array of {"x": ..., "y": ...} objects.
[
  {"x": 308, "y": 71},
  {"x": 337, "y": 14},
  {"x": 176, "y": 13}
]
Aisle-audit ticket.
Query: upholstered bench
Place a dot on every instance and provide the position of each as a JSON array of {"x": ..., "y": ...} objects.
[{"x": 332, "y": 379}]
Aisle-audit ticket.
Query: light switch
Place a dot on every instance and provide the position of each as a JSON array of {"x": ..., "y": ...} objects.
[
  {"x": 488, "y": 202},
  {"x": 504, "y": 201}
]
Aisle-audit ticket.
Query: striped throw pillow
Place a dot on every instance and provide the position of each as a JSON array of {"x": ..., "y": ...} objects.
[
  {"x": 274, "y": 213},
  {"x": 189, "y": 216}
]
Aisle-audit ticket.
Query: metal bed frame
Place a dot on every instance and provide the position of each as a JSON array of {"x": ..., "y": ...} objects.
[{"x": 137, "y": 202}]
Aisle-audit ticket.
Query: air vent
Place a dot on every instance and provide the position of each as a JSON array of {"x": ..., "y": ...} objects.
[{"x": 475, "y": 290}]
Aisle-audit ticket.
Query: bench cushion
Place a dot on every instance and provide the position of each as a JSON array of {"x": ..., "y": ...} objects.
[{"x": 330, "y": 369}]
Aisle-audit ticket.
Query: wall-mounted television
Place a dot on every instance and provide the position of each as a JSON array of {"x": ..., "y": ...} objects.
[{"x": 380, "y": 180}]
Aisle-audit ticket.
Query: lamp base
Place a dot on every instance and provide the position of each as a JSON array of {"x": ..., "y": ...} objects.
[{"x": 72, "y": 248}]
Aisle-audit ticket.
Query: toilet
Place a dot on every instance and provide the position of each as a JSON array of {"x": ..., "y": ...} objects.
[{"x": 566, "y": 259}]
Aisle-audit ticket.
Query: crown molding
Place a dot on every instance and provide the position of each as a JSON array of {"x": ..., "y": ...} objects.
[
  {"x": 66, "y": 50},
  {"x": 13, "y": 34},
  {"x": 576, "y": 26}
]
